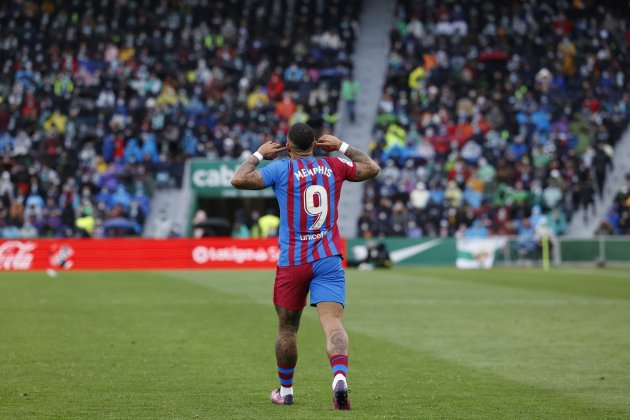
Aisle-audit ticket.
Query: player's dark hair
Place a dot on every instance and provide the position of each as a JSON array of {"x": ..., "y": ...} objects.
[{"x": 301, "y": 136}]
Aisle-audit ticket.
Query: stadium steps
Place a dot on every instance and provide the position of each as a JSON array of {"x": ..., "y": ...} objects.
[
  {"x": 162, "y": 201},
  {"x": 584, "y": 224},
  {"x": 370, "y": 64}
]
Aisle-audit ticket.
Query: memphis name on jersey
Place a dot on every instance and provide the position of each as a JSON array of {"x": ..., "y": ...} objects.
[
  {"x": 308, "y": 192},
  {"x": 312, "y": 172}
]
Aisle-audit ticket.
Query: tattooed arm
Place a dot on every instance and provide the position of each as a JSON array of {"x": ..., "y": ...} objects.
[
  {"x": 366, "y": 167},
  {"x": 247, "y": 177}
]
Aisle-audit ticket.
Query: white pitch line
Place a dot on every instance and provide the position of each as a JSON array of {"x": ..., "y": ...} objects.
[
  {"x": 510, "y": 302},
  {"x": 591, "y": 272}
]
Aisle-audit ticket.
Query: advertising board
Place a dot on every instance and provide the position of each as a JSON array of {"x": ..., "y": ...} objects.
[{"x": 137, "y": 254}]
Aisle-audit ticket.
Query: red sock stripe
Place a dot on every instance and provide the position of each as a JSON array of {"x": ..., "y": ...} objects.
[
  {"x": 286, "y": 367},
  {"x": 339, "y": 371},
  {"x": 285, "y": 375},
  {"x": 339, "y": 359}
]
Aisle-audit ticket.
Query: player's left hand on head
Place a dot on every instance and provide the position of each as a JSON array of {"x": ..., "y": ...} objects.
[
  {"x": 270, "y": 150},
  {"x": 328, "y": 143}
]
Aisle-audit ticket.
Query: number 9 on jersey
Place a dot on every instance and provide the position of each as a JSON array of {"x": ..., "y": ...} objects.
[{"x": 321, "y": 209}]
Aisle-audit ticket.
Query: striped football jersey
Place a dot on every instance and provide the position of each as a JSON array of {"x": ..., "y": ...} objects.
[{"x": 308, "y": 192}]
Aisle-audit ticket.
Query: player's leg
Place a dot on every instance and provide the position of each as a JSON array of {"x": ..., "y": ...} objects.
[
  {"x": 328, "y": 294},
  {"x": 331, "y": 318},
  {"x": 289, "y": 297},
  {"x": 286, "y": 351},
  {"x": 337, "y": 346}
]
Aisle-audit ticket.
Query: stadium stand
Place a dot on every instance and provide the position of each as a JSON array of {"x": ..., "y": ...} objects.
[
  {"x": 617, "y": 220},
  {"x": 496, "y": 112},
  {"x": 101, "y": 102}
]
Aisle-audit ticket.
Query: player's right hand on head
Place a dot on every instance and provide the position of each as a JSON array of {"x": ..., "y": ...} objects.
[
  {"x": 328, "y": 143},
  {"x": 270, "y": 150}
]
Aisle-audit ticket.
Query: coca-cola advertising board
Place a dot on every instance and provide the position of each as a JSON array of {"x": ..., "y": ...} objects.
[{"x": 137, "y": 254}]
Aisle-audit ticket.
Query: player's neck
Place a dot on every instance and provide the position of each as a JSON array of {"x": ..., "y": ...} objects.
[{"x": 300, "y": 155}]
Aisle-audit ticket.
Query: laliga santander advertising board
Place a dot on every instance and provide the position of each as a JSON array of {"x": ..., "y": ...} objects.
[{"x": 138, "y": 254}]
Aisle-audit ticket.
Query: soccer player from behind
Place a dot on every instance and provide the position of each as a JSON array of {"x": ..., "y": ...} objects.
[{"x": 308, "y": 191}]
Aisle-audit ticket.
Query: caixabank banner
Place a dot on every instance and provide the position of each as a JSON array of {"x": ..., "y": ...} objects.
[{"x": 137, "y": 254}]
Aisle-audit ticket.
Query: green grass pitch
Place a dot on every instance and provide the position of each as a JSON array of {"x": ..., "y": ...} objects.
[{"x": 425, "y": 343}]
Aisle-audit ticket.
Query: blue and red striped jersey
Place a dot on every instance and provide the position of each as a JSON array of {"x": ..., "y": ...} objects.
[{"x": 308, "y": 192}]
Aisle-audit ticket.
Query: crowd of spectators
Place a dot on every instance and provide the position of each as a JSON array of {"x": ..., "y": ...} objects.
[
  {"x": 497, "y": 115},
  {"x": 101, "y": 101}
]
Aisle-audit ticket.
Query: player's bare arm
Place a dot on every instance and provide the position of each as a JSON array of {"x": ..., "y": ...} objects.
[
  {"x": 247, "y": 177},
  {"x": 366, "y": 167}
]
